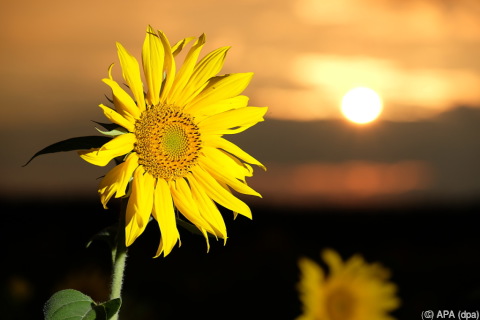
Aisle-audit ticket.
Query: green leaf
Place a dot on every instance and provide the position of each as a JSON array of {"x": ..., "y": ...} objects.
[
  {"x": 113, "y": 133},
  {"x": 78, "y": 143},
  {"x": 108, "y": 126},
  {"x": 68, "y": 304},
  {"x": 108, "y": 235},
  {"x": 110, "y": 308},
  {"x": 71, "y": 304}
]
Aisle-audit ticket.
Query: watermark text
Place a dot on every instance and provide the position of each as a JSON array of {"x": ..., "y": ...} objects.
[{"x": 450, "y": 314}]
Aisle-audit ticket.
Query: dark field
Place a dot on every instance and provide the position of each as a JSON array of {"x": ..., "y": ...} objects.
[{"x": 432, "y": 251}]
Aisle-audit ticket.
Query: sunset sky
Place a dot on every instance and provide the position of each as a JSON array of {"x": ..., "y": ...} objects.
[{"x": 421, "y": 57}]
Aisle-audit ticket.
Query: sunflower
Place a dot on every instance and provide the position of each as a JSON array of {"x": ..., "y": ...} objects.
[
  {"x": 172, "y": 157},
  {"x": 353, "y": 290}
]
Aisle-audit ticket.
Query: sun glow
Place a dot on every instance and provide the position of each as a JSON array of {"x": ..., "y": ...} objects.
[{"x": 361, "y": 105}]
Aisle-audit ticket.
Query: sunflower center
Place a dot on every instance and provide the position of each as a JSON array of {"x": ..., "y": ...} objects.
[
  {"x": 341, "y": 304},
  {"x": 168, "y": 142}
]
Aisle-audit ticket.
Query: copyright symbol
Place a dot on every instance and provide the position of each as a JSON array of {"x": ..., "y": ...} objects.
[{"x": 428, "y": 314}]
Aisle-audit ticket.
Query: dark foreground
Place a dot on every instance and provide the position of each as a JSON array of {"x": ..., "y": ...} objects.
[{"x": 432, "y": 251}]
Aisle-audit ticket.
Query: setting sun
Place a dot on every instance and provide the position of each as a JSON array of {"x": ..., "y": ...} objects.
[{"x": 361, "y": 105}]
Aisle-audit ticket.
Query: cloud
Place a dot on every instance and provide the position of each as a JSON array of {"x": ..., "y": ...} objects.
[
  {"x": 428, "y": 89},
  {"x": 422, "y": 55},
  {"x": 408, "y": 21}
]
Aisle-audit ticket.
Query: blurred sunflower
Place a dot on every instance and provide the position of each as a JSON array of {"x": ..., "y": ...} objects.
[
  {"x": 170, "y": 142},
  {"x": 353, "y": 290}
]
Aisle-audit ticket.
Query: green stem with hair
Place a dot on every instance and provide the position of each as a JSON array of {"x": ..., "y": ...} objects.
[{"x": 119, "y": 256}]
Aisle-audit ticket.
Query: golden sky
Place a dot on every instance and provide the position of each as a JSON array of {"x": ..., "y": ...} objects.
[{"x": 421, "y": 56}]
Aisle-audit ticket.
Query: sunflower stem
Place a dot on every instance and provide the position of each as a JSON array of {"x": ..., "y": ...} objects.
[{"x": 119, "y": 256}]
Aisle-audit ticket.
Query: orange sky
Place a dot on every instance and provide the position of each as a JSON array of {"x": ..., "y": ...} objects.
[{"x": 422, "y": 57}]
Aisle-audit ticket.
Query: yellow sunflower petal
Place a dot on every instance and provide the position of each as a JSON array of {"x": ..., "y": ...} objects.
[
  {"x": 163, "y": 212},
  {"x": 234, "y": 130},
  {"x": 220, "y": 173},
  {"x": 182, "y": 197},
  {"x": 333, "y": 260},
  {"x": 116, "y": 180},
  {"x": 218, "y": 107},
  {"x": 207, "y": 68},
  {"x": 223, "y": 122},
  {"x": 169, "y": 67},
  {"x": 124, "y": 104},
  {"x": 152, "y": 58},
  {"x": 233, "y": 149},
  {"x": 108, "y": 185},
  {"x": 221, "y": 88},
  {"x": 131, "y": 74},
  {"x": 310, "y": 288},
  {"x": 178, "y": 47},
  {"x": 219, "y": 194},
  {"x": 208, "y": 209},
  {"x": 117, "y": 118},
  {"x": 130, "y": 164},
  {"x": 140, "y": 205},
  {"x": 185, "y": 72},
  {"x": 116, "y": 147},
  {"x": 224, "y": 162}
]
